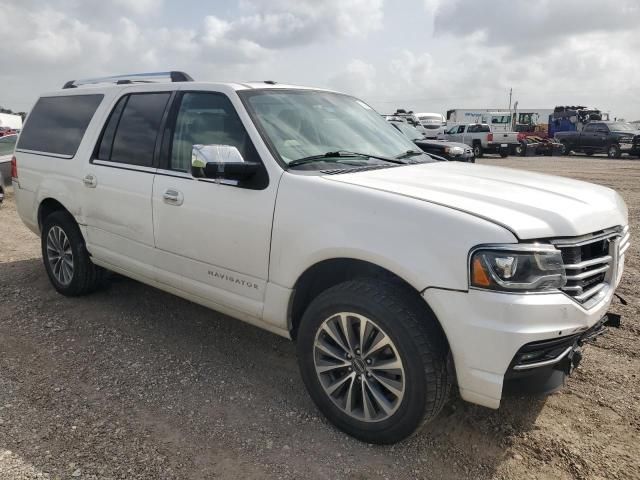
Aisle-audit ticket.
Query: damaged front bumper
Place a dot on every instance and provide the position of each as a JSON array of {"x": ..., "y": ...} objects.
[{"x": 542, "y": 367}]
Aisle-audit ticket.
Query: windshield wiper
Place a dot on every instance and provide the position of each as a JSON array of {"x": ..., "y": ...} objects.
[
  {"x": 340, "y": 154},
  {"x": 409, "y": 153}
]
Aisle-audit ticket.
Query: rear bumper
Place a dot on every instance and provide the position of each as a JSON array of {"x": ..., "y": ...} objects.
[{"x": 487, "y": 330}]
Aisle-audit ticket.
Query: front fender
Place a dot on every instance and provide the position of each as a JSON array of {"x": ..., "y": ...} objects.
[{"x": 423, "y": 243}]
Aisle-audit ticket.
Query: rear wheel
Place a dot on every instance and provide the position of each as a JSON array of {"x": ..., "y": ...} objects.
[
  {"x": 477, "y": 150},
  {"x": 614, "y": 151},
  {"x": 65, "y": 256},
  {"x": 566, "y": 148},
  {"x": 520, "y": 150},
  {"x": 373, "y": 360}
]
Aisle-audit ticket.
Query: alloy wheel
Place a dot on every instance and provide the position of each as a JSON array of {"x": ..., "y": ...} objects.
[
  {"x": 359, "y": 367},
  {"x": 60, "y": 255}
]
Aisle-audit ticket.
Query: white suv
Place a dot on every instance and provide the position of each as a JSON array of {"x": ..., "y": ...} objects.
[{"x": 303, "y": 212}]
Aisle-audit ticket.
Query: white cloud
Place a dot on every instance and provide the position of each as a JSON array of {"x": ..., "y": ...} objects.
[{"x": 358, "y": 78}]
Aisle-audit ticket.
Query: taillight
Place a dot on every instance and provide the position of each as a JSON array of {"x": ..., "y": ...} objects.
[
  {"x": 14, "y": 167},
  {"x": 490, "y": 137}
]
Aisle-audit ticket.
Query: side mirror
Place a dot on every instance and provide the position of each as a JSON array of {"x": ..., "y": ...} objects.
[{"x": 221, "y": 162}]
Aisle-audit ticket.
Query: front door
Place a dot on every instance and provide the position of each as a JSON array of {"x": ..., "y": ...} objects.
[
  {"x": 118, "y": 185},
  {"x": 212, "y": 238}
]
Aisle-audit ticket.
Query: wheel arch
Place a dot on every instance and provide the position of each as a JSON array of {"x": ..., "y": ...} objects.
[
  {"x": 330, "y": 272},
  {"x": 46, "y": 207}
]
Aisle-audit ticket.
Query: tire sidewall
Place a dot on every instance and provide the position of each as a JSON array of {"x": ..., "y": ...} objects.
[{"x": 411, "y": 410}]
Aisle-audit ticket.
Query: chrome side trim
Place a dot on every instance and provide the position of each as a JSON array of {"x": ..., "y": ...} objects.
[{"x": 545, "y": 363}]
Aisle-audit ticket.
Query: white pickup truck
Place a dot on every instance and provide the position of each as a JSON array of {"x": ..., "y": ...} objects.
[
  {"x": 303, "y": 212},
  {"x": 481, "y": 138}
]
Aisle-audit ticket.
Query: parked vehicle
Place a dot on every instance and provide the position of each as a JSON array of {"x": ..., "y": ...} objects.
[
  {"x": 303, "y": 212},
  {"x": 612, "y": 138},
  {"x": 11, "y": 121},
  {"x": 458, "y": 152},
  {"x": 433, "y": 123},
  {"x": 1, "y": 187},
  {"x": 7, "y": 146},
  {"x": 482, "y": 139},
  {"x": 573, "y": 118}
]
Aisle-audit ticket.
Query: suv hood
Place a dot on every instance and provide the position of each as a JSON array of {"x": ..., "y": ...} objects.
[{"x": 531, "y": 205}]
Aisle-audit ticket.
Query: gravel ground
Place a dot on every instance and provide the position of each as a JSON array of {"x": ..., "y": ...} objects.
[{"x": 132, "y": 382}]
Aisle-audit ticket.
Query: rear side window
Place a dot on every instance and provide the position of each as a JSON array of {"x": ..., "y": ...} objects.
[
  {"x": 57, "y": 124},
  {"x": 131, "y": 133}
]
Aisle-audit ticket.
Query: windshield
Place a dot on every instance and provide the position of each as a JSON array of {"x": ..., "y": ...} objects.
[
  {"x": 621, "y": 127},
  {"x": 411, "y": 132},
  {"x": 431, "y": 118},
  {"x": 304, "y": 123}
]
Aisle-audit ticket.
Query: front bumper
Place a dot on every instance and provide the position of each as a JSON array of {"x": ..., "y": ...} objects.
[{"x": 486, "y": 330}]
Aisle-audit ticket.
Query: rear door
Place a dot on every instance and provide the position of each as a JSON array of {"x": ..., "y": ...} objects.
[
  {"x": 118, "y": 184},
  {"x": 589, "y": 137}
]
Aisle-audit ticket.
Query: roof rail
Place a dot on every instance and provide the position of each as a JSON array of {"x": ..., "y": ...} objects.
[{"x": 152, "y": 77}]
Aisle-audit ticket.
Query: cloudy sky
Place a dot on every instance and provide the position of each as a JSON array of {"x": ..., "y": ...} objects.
[{"x": 425, "y": 55}]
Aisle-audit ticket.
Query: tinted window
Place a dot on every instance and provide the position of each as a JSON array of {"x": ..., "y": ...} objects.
[
  {"x": 106, "y": 143},
  {"x": 57, "y": 124},
  {"x": 589, "y": 128},
  {"x": 461, "y": 129},
  {"x": 135, "y": 138},
  {"x": 7, "y": 144},
  {"x": 207, "y": 119}
]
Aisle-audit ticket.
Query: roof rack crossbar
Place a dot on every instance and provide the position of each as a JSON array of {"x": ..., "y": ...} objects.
[{"x": 151, "y": 77}]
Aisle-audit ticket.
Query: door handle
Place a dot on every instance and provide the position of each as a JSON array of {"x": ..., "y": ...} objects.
[
  {"x": 90, "y": 180},
  {"x": 173, "y": 197}
]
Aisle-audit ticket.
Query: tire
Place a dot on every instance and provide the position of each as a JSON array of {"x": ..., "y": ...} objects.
[
  {"x": 613, "y": 151},
  {"x": 566, "y": 149},
  {"x": 478, "y": 150},
  {"x": 73, "y": 274},
  {"x": 416, "y": 342},
  {"x": 520, "y": 150},
  {"x": 1, "y": 193}
]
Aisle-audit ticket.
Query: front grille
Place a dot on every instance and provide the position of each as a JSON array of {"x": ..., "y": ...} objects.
[{"x": 593, "y": 262}]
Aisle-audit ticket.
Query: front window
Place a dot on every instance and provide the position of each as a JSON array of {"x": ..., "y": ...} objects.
[
  {"x": 304, "y": 123},
  {"x": 7, "y": 144}
]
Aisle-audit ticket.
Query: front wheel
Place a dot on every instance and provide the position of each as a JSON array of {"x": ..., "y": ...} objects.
[
  {"x": 65, "y": 256},
  {"x": 566, "y": 148},
  {"x": 373, "y": 360},
  {"x": 614, "y": 151}
]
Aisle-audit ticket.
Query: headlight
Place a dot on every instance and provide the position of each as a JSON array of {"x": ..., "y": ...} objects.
[
  {"x": 534, "y": 268},
  {"x": 455, "y": 151}
]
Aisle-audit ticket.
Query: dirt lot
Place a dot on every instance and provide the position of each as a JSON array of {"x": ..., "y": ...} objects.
[{"x": 135, "y": 383}]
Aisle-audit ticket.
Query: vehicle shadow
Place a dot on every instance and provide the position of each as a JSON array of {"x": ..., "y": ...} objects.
[{"x": 208, "y": 394}]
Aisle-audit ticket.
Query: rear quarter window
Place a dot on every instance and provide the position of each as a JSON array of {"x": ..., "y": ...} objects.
[{"x": 57, "y": 125}]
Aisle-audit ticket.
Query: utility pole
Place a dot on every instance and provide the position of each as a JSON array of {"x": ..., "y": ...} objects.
[{"x": 510, "y": 95}]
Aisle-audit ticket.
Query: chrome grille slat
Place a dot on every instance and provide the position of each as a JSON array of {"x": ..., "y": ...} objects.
[
  {"x": 588, "y": 273},
  {"x": 590, "y": 293},
  {"x": 590, "y": 263}
]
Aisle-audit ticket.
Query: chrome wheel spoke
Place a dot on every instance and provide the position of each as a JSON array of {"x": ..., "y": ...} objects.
[
  {"x": 337, "y": 384},
  {"x": 393, "y": 386},
  {"x": 328, "y": 350},
  {"x": 383, "y": 341},
  {"x": 379, "y": 398},
  {"x": 331, "y": 367},
  {"x": 330, "y": 329},
  {"x": 392, "y": 364},
  {"x": 367, "y": 408}
]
